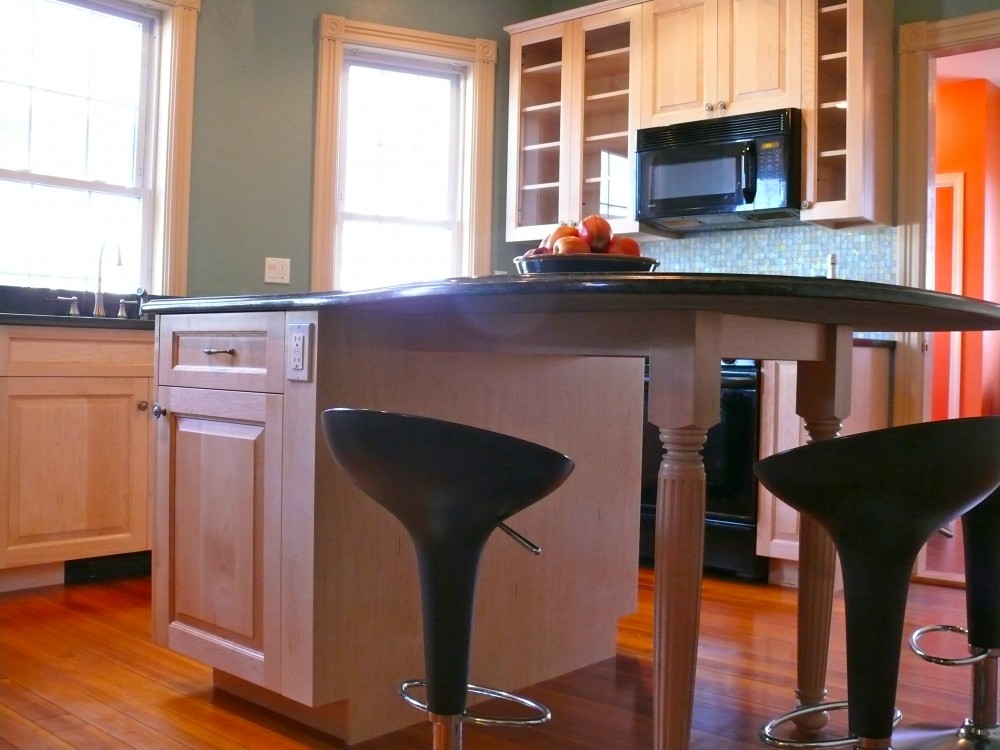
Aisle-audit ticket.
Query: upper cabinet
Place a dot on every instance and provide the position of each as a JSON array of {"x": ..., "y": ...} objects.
[
  {"x": 848, "y": 113},
  {"x": 713, "y": 58},
  {"x": 573, "y": 116}
]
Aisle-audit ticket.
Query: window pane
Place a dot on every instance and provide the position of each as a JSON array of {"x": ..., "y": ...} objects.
[
  {"x": 52, "y": 237},
  {"x": 373, "y": 254},
  {"x": 72, "y": 93},
  {"x": 14, "y": 107},
  {"x": 398, "y": 143}
]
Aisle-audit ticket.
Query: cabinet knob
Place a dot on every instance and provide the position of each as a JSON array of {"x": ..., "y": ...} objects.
[
  {"x": 806, "y": 205},
  {"x": 709, "y": 106},
  {"x": 158, "y": 411},
  {"x": 142, "y": 405},
  {"x": 721, "y": 105}
]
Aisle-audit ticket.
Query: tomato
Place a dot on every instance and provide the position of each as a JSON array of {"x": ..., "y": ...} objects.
[
  {"x": 624, "y": 246},
  {"x": 563, "y": 230},
  {"x": 570, "y": 245},
  {"x": 597, "y": 232}
]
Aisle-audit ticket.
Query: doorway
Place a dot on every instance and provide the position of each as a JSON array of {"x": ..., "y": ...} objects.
[{"x": 931, "y": 379}]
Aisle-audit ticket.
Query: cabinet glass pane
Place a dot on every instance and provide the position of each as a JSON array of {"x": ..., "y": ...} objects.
[
  {"x": 831, "y": 90},
  {"x": 540, "y": 132},
  {"x": 607, "y": 176}
]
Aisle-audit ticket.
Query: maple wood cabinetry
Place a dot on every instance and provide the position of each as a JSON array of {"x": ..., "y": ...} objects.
[
  {"x": 219, "y": 411},
  {"x": 781, "y": 429},
  {"x": 848, "y": 113},
  {"x": 713, "y": 58},
  {"x": 74, "y": 443},
  {"x": 300, "y": 592},
  {"x": 573, "y": 115}
]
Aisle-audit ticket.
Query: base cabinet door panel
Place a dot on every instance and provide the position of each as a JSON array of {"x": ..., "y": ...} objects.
[
  {"x": 219, "y": 527},
  {"x": 73, "y": 461}
]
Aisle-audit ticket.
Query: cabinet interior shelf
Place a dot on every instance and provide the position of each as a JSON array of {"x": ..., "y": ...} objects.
[
  {"x": 833, "y": 56},
  {"x": 541, "y": 107},
  {"x": 606, "y": 137},
  {"x": 542, "y": 146},
  {"x": 833, "y": 8},
  {"x": 839, "y": 104},
  {"x": 543, "y": 68},
  {"x": 541, "y": 186},
  {"x": 833, "y": 153}
]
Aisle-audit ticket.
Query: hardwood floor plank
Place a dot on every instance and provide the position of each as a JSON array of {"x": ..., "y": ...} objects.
[{"x": 78, "y": 670}]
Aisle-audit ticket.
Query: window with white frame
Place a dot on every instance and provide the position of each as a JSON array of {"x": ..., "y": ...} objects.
[
  {"x": 403, "y": 161},
  {"x": 79, "y": 108},
  {"x": 399, "y": 212}
]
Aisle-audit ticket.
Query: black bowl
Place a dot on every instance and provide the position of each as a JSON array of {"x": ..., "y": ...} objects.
[{"x": 584, "y": 263}]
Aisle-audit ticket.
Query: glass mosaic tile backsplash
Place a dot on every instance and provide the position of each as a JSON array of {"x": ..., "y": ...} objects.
[{"x": 863, "y": 254}]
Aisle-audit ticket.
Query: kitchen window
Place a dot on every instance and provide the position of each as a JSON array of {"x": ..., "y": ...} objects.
[
  {"x": 94, "y": 136},
  {"x": 399, "y": 212},
  {"x": 403, "y": 159}
]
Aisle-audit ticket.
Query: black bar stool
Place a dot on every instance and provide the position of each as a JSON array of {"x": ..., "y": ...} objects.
[
  {"x": 981, "y": 731},
  {"x": 450, "y": 485},
  {"x": 880, "y": 495}
]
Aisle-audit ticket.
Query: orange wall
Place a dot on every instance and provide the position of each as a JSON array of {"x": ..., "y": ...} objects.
[{"x": 967, "y": 132}]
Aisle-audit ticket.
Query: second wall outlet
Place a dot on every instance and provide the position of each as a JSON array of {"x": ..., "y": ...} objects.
[{"x": 277, "y": 270}]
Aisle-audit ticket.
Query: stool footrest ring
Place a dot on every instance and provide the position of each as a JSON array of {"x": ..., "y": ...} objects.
[
  {"x": 768, "y": 737},
  {"x": 540, "y": 716},
  {"x": 978, "y": 654}
]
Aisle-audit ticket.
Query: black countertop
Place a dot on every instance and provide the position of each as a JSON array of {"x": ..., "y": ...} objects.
[
  {"x": 73, "y": 321},
  {"x": 864, "y": 306}
]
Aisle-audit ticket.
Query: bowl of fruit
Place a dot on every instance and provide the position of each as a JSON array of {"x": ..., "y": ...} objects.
[{"x": 586, "y": 247}]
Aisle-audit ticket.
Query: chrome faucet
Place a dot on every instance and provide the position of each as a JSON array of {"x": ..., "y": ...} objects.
[{"x": 99, "y": 295}]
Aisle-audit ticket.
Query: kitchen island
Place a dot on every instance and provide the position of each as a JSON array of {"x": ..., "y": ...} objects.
[{"x": 524, "y": 354}]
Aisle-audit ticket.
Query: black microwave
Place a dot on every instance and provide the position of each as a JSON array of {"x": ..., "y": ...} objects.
[{"x": 728, "y": 173}]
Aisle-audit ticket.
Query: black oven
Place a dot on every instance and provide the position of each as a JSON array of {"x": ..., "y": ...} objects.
[{"x": 731, "y": 448}]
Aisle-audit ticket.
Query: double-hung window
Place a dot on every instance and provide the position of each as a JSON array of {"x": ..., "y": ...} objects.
[
  {"x": 403, "y": 164},
  {"x": 80, "y": 102},
  {"x": 400, "y": 213}
]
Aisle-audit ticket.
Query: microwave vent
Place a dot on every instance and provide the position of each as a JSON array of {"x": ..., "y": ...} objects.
[
  {"x": 772, "y": 216},
  {"x": 720, "y": 130}
]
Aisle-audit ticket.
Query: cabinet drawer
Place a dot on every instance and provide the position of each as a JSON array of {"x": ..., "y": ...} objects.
[
  {"x": 36, "y": 351},
  {"x": 232, "y": 351}
]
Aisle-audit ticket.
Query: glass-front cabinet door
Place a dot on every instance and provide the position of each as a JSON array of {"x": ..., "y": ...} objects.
[{"x": 573, "y": 115}]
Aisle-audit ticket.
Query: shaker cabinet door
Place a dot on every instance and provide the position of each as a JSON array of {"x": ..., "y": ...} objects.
[
  {"x": 218, "y": 529},
  {"x": 74, "y": 455}
]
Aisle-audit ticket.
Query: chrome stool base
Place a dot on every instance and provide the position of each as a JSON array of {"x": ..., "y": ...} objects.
[
  {"x": 982, "y": 730},
  {"x": 540, "y": 713},
  {"x": 921, "y": 737},
  {"x": 768, "y": 737}
]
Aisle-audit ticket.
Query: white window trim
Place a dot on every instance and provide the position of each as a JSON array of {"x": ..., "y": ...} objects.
[
  {"x": 175, "y": 107},
  {"x": 481, "y": 54}
]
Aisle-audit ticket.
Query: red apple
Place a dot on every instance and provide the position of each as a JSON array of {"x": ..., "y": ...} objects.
[
  {"x": 624, "y": 246},
  {"x": 570, "y": 245},
  {"x": 597, "y": 232},
  {"x": 563, "y": 230}
]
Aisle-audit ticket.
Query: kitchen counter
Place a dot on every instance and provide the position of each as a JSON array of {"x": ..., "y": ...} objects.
[
  {"x": 73, "y": 321},
  {"x": 684, "y": 324}
]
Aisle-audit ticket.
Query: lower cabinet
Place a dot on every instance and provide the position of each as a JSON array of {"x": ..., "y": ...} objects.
[
  {"x": 218, "y": 528},
  {"x": 782, "y": 429},
  {"x": 300, "y": 592},
  {"x": 74, "y": 444}
]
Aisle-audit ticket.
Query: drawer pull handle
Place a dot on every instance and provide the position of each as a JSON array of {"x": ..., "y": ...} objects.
[
  {"x": 158, "y": 411},
  {"x": 230, "y": 352}
]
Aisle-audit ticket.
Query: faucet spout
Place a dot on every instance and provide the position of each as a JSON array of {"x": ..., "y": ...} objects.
[{"x": 99, "y": 295}]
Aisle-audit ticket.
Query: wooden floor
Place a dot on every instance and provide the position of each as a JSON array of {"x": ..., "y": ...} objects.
[{"x": 77, "y": 670}]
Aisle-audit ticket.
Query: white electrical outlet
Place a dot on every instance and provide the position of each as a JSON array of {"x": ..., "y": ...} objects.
[
  {"x": 277, "y": 270},
  {"x": 299, "y": 349}
]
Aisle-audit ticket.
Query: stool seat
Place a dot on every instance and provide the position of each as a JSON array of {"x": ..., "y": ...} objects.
[
  {"x": 880, "y": 495},
  {"x": 451, "y": 486}
]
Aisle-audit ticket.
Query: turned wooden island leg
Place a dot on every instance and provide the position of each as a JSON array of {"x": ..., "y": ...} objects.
[
  {"x": 823, "y": 401},
  {"x": 680, "y": 517}
]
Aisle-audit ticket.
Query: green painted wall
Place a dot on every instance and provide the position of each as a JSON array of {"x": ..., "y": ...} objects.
[
  {"x": 253, "y": 129},
  {"x": 253, "y": 125}
]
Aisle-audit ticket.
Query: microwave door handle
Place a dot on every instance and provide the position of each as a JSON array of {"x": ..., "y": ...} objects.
[{"x": 748, "y": 159}]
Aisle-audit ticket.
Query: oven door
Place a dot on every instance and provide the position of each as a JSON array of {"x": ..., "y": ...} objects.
[{"x": 697, "y": 179}]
